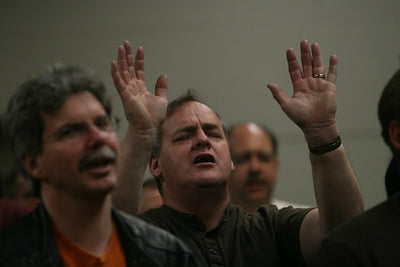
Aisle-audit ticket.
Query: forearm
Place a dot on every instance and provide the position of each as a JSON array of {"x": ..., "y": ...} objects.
[
  {"x": 135, "y": 153},
  {"x": 337, "y": 192},
  {"x": 338, "y": 197}
]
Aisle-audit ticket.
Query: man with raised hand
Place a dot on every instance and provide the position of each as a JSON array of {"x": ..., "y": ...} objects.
[{"x": 192, "y": 163}]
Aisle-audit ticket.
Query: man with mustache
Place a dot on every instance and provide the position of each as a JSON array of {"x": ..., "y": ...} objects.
[
  {"x": 60, "y": 129},
  {"x": 254, "y": 153},
  {"x": 192, "y": 164}
]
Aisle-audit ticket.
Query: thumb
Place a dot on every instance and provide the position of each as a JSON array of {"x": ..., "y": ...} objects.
[{"x": 277, "y": 93}]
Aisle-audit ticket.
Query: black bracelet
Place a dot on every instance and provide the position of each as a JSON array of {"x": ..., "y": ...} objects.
[{"x": 326, "y": 148}]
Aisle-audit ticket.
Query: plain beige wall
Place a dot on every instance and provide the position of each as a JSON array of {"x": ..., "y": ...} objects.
[{"x": 227, "y": 51}]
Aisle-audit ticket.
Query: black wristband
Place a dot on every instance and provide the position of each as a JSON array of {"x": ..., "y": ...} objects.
[{"x": 326, "y": 148}]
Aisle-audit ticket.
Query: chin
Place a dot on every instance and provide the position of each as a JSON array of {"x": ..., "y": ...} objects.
[
  {"x": 99, "y": 191},
  {"x": 103, "y": 186},
  {"x": 212, "y": 182}
]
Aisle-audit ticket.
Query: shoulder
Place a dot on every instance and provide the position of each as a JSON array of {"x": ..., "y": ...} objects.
[
  {"x": 369, "y": 237},
  {"x": 11, "y": 211},
  {"x": 22, "y": 239},
  {"x": 151, "y": 234},
  {"x": 385, "y": 215},
  {"x": 282, "y": 204},
  {"x": 282, "y": 216},
  {"x": 160, "y": 245}
]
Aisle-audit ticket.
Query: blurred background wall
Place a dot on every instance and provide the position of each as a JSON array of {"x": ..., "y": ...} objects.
[{"x": 228, "y": 51}]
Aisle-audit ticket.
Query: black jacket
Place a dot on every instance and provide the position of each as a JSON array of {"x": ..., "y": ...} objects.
[{"x": 30, "y": 242}]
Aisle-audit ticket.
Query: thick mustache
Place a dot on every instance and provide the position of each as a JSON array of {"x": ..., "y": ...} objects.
[
  {"x": 255, "y": 179},
  {"x": 104, "y": 153}
]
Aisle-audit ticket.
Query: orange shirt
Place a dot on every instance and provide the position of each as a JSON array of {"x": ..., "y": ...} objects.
[{"x": 73, "y": 256}]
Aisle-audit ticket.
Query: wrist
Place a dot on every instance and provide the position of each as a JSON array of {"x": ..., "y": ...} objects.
[
  {"x": 143, "y": 138},
  {"x": 322, "y": 149},
  {"x": 320, "y": 136}
]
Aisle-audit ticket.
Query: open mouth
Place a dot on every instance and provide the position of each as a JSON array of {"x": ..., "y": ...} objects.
[{"x": 204, "y": 158}]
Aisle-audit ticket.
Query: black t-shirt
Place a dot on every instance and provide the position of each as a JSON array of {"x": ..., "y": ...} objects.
[
  {"x": 269, "y": 237},
  {"x": 370, "y": 239}
]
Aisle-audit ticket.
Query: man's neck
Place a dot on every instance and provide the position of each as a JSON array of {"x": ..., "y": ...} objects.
[
  {"x": 86, "y": 223},
  {"x": 207, "y": 203}
]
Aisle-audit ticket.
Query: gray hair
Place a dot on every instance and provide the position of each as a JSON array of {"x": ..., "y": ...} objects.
[{"x": 44, "y": 94}]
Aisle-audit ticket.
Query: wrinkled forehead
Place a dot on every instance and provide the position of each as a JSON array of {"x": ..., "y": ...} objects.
[{"x": 191, "y": 113}]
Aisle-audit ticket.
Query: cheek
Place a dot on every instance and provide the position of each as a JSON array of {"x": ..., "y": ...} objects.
[
  {"x": 239, "y": 173},
  {"x": 113, "y": 142},
  {"x": 269, "y": 168},
  {"x": 57, "y": 163}
]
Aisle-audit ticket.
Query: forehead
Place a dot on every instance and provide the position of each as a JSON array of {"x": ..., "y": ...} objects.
[
  {"x": 250, "y": 137},
  {"x": 190, "y": 113},
  {"x": 77, "y": 107}
]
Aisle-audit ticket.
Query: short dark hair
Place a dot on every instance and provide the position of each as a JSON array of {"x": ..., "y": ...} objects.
[
  {"x": 189, "y": 96},
  {"x": 267, "y": 132},
  {"x": 44, "y": 94},
  {"x": 389, "y": 108}
]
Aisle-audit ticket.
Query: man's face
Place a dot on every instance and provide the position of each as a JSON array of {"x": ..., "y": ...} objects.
[
  {"x": 256, "y": 167},
  {"x": 194, "y": 151},
  {"x": 80, "y": 148}
]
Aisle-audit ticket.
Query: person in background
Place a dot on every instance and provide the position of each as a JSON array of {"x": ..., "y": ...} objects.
[
  {"x": 192, "y": 162},
  {"x": 372, "y": 238},
  {"x": 17, "y": 198},
  {"x": 59, "y": 124},
  {"x": 254, "y": 152}
]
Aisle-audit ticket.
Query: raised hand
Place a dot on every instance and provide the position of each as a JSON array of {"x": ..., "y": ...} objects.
[
  {"x": 143, "y": 110},
  {"x": 313, "y": 104}
]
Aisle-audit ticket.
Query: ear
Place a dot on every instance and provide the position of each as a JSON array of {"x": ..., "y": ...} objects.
[
  {"x": 394, "y": 134},
  {"x": 32, "y": 166},
  {"x": 155, "y": 169}
]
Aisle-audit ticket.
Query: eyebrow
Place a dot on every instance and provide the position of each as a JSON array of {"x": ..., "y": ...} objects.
[
  {"x": 67, "y": 125},
  {"x": 191, "y": 128},
  {"x": 77, "y": 123}
]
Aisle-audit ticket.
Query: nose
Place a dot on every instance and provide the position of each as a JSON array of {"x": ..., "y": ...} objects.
[
  {"x": 97, "y": 136},
  {"x": 202, "y": 139},
  {"x": 254, "y": 164}
]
